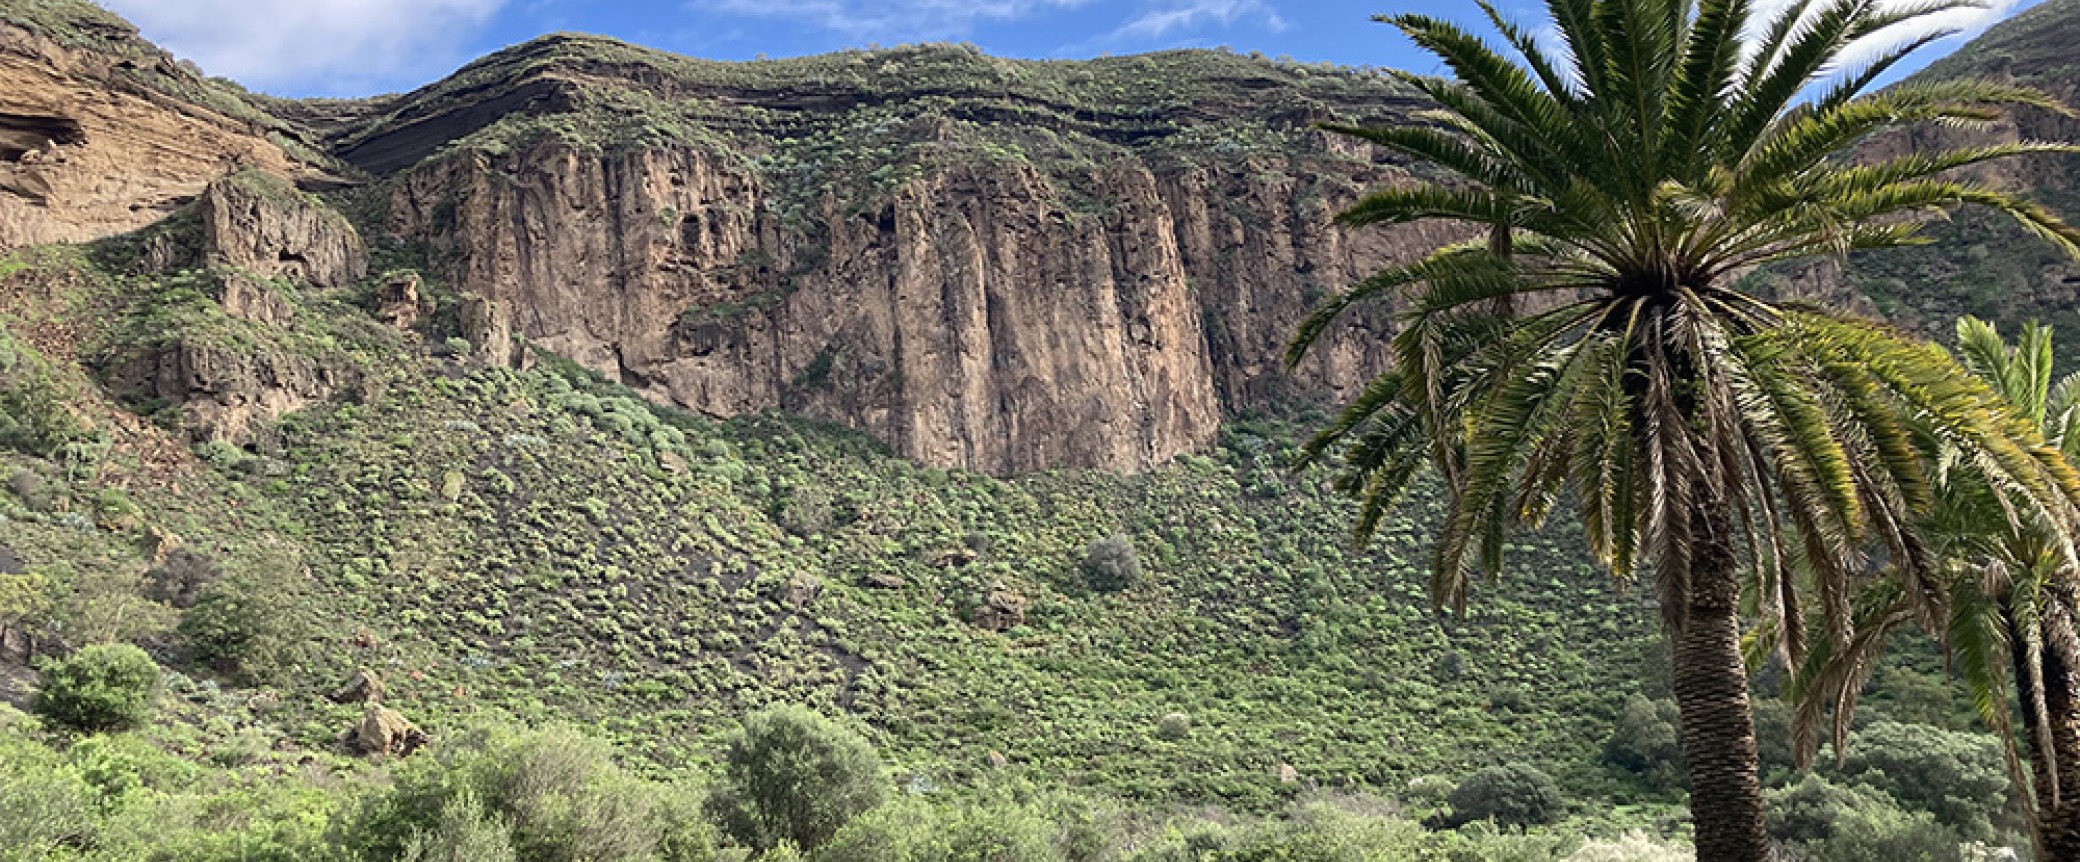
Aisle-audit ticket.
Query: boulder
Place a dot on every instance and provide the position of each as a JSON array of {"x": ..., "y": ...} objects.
[
  {"x": 384, "y": 732},
  {"x": 802, "y": 588},
  {"x": 884, "y": 581},
  {"x": 397, "y": 301},
  {"x": 1002, "y": 609},
  {"x": 954, "y": 558},
  {"x": 363, "y": 687}
]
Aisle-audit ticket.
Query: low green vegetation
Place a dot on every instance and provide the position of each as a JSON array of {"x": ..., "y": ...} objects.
[{"x": 102, "y": 687}]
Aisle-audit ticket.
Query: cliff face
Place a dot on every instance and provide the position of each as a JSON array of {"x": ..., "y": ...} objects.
[
  {"x": 94, "y": 139},
  {"x": 972, "y": 317},
  {"x": 1008, "y": 311},
  {"x": 1979, "y": 263},
  {"x": 991, "y": 264}
]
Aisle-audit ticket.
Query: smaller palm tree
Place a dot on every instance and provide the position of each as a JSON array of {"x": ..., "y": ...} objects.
[{"x": 2014, "y": 601}]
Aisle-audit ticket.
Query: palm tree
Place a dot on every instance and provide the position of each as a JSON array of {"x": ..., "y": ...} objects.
[
  {"x": 1594, "y": 346},
  {"x": 2014, "y": 603}
]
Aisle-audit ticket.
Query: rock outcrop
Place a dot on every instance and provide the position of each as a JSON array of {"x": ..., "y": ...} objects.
[
  {"x": 88, "y": 148},
  {"x": 224, "y": 392},
  {"x": 257, "y": 235},
  {"x": 385, "y": 732},
  {"x": 363, "y": 686},
  {"x": 260, "y": 224},
  {"x": 1002, "y": 609}
]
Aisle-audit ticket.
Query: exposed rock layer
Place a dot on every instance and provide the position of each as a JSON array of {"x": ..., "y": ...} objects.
[{"x": 84, "y": 154}]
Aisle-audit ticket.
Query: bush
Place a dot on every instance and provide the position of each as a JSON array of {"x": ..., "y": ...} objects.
[
  {"x": 1511, "y": 795},
  {"x": 1175, "y": 725},
  {"x": 791, "y": 775},
  {"x": 180, "y": 580},
  {"x": 551, "y": 795},
  {"x": 252, "y": 623},
  {"x": 1828, "y": 823},
  {"x": 1109, "y": 565},
  {"x": 1644, "y": 741},
  {"x": 1958, "y": 777},
  {"x": 464, "y": 833},
  {"x": 46, "y": 806},
  {"x": 32, "y": 489},
  {"x": 912, "y": 831},
  {"x": 102, "y": 687}
]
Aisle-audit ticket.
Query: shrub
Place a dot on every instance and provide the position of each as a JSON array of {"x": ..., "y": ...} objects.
[
  {"x": 809, "y": 510},
  {"x": 180, "y": 580},
  {"x": 464, "y": 833},
  {"x": 909, "y": 831},
  {"x": 552, "y": 795},
  {"x": 1958, "y": 777},
  {"x": 1831, "y": 823},
  {"x": 102, "y": 687},
  {"x": 1645, "y": 742},
  {"x": 791, "y": 775},
  {"x": 252, "y": 623},
  {"x": 1512, "y": 795},
  {"x": 1175, "y": 725},
  {"x": 46, "y": 806},
  {"x": 32, "y": 489},
  {"x": 1109, "y": 565},
  {"x": 1633, "y": 846}
]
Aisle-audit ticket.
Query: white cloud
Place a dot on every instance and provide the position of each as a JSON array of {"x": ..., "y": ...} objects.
[
  {"x": 335, "y": 47},
  {"x": 905, "y": 20},
  {"x": 1160, "y": 22}
]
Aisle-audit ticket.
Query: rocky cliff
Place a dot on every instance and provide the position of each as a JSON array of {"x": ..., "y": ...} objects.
[
  {"x": 102, "y": 133},
  {"x": 994, "y": 265}
]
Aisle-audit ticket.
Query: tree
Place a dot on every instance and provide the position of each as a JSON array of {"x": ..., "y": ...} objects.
[
  {"x": 253, "y": 623},
  {"x": 101, "y": 687},
  {"x": 1596, "y": 339},
  {"x": 1513, "y": 794},
  {"x": 2014, "y": 603},
  {"x": 1109, "y": 565},
  {"x": 792, "y": 776}
]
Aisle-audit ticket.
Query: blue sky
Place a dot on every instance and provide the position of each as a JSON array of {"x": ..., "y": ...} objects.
[{"x": 361, "y": 47}]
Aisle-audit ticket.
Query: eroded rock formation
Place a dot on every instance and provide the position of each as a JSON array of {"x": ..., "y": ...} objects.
[
  {"x": 86, "y": 151},
  {"x": 973, "y": 318}
]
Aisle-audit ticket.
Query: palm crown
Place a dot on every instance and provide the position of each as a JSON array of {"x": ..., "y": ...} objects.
[
  {"x": 1596, "y": 343},
  {"x": 2014, "y": 603}
]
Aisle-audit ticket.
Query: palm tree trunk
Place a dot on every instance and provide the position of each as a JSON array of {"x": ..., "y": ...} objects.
[
  {"x": 1711, "y": 688},
  {"x": 2058, "y": 818}
]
